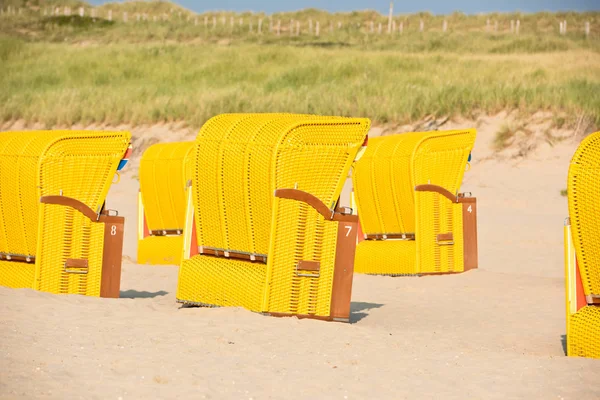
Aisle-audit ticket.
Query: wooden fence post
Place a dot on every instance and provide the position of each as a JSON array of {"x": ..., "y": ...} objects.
[
  {"x": 389, "y": 29},
  {"x": 587, "y": 29}
]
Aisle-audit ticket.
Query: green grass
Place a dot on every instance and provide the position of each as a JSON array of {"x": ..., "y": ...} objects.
[{"x": 65, "y": 70}]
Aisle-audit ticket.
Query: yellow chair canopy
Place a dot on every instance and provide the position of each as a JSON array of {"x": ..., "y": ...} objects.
[{"x": 36, "y": 239}]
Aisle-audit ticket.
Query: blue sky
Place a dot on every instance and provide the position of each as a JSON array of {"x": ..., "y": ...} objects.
[{"x": 400, "y": 6}]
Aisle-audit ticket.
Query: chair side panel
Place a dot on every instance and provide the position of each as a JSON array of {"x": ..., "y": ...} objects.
[
  {"x": 583, "y": 187},
  {"x": 82, "y": 167}
]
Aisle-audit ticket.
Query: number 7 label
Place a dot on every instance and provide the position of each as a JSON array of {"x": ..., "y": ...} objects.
[{"x": 349, "y": 229}]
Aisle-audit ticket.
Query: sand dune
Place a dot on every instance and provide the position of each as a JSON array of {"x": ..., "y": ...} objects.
[{"x": 493, "y": 333}]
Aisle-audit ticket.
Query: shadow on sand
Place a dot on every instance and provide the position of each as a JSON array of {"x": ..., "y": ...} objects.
[
  {"x": 357, "y": 308},
  {"x": 563, "y": 341},
  {"x": 134, "y": 294}
]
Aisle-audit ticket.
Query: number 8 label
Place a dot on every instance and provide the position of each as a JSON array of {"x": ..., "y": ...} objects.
[{"x": 113, "y": 230}]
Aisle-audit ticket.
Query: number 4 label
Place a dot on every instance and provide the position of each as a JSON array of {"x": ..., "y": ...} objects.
[{"x": 470, "y": 209}]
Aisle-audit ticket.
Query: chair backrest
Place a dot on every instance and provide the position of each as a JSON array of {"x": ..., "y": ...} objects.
[
  {"x": 164, "y": 171},
  {"x": 76, "y": 164},
  {"x": 583, "y": 190},
  {"x": 240, "y": 159},
  {"x": 385, "y": 177}
]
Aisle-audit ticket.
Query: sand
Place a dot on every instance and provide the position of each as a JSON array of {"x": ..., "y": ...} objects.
[{"x": 492, "y": 333}]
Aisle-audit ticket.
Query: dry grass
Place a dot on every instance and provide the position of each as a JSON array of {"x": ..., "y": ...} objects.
[{"x": 64, "y": 70}]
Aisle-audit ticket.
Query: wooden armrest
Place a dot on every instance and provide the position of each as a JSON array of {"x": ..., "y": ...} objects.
[
  {"x": 437, "y": 189},
  {"x": 73, "y": 203},
  {"x": 314, "y": 202}
]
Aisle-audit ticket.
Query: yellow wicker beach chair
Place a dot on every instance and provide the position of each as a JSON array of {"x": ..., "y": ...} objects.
[
  {"x": 582, "y": 251},
  {"x": 54, "y": 234},
  {"x": 406, "y": 192},
  {"x": 165, "y": 169},
  {"x": 263, "y": 230}
]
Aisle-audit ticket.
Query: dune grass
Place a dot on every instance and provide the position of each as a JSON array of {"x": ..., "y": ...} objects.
[
  {"x": 65, "y": 70},
  {"x": 65, "y": 84}
]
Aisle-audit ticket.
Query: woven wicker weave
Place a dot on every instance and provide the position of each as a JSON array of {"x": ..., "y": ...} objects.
[
  {"x": 384, "y": 181},
  {"x": 165, "y": 169},
  {"x": 583, "y": 187},
  {"x": 583, "y": 336},
  {"x": 240, "y": 159},
  {"x": 583, "y": 326},
  {"x": 76, "y": 164}
]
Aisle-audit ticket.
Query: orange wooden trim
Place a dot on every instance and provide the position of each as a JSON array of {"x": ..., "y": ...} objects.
[
  {"x": 343, "y": 273},
  {"x": 110, "y": 285},
  {"x": 581, "y": 300},
  {"x": 360, "y": 236},
  {"x": 71, "y": 202},
  {"x": 467, "y": 200},
  {"x": 165, "y": 232},
  {"x": 445, "y": 237},
  {"x": 437, "y": 189},
  {"x": 305, "y": 265},
  {"x": 471, "y": 257},
  {"x": 221, "y": 253},
  {"x": 146, "y": 230},
  {"x": 17, "y": 258},
  {"x": 316, "y": 203},
  {"x": 194, "y": 239},
  {"x": 76, "y": 263},
  {"x": 593, "y": 299},
  {"x": 385, "y": 236}
]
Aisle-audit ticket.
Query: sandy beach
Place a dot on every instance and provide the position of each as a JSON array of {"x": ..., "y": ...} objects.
[{"x": 493, "y": 333}]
